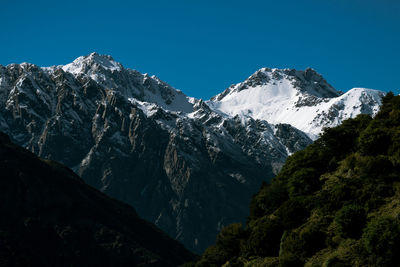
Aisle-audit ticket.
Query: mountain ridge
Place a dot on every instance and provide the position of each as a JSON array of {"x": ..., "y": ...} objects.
[
  {"x": 302, "y": 99},
  {"x": 184, "y": 165},
  {"x": 264, "y": 75}
]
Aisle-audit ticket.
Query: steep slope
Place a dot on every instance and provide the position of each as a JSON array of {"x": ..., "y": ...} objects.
[
  {"x": 302, "y": 99},
  {"x": 335, "y": 203},
  {"x": 183, "y": 166},
  {"x": 50, "y": 217},
  {"x": 108, "y": 73}
]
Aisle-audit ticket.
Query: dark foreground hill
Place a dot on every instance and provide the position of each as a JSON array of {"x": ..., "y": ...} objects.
[
  {"x": 336, "y": 203},
  {"x": 50, "y": 217}
]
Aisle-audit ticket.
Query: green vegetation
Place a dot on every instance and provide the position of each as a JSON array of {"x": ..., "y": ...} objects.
[
  {"x": 350, "y": 220},
  {"x": 336, "y": 203}
]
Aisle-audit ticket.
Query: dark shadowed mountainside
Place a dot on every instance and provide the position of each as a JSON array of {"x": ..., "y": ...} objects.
[{"x": 50, "y": 217}]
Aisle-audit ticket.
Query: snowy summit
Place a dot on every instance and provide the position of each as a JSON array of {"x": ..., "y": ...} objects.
[
  {"x": 302, "y": 99},
  {"x": 92, "y": 61}
]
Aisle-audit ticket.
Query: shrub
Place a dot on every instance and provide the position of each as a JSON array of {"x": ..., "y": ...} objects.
[
  {"x": 350, "y": 220},
  {"x": 265, "y": 238},
  {"x": 342, "y": 139},
  {"x": 374, "y": 167},
  {"x": 213, "y": 256},
  {"x": 381, "y": 239},
  {"x": 230, "y": 239},
  {"x": 290, "y": 253},
  {"x": 299, "y": 244},
  {"x": 375, "y": 140},
  {"x": 336, "y": 262},
  {"x": 293, "y": 212},
  {"x": 303, "y": 182},
  {"x": 268, "y": 199}
]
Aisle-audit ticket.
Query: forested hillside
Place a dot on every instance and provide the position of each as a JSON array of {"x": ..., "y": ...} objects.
[{"x": 336, "y": 203}]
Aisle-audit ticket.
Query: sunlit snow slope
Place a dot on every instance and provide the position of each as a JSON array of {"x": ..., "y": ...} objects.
[{"x": 302, "y": 99}]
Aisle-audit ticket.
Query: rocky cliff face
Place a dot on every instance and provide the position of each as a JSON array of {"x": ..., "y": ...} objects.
[
  {"x": 184, "y": 164},
  {"x": 50, "y": 217}
]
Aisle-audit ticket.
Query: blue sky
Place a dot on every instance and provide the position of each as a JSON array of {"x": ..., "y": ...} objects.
[{"x": 202, "y": 47}]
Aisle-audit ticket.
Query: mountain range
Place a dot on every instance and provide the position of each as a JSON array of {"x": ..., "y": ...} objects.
[{"x": 189, "y": 166}]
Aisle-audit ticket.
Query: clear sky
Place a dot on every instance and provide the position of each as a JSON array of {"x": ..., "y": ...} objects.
[{"x": 202, "y": 47}]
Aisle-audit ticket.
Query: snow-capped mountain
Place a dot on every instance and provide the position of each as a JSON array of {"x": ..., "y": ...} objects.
[
  {"x": 187, "y": 165},
  {"x": 183, "y": 166},
  {"x": 130, "y": 83},
  {"x": 302, "y": 99}
]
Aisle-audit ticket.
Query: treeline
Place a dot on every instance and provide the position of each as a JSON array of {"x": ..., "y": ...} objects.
[{"x": 336, "y": 203}]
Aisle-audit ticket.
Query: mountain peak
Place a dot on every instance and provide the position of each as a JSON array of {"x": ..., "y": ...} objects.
[
  {"x": 92, "y": 61},
  {"x": 284, "y": 82},
  {"x": 307, "y": 81},
  {"x": 301, "y": 98}
]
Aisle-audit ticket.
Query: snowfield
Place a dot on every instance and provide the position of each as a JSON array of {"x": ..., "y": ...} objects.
[{"x": 282, "y": 101}]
